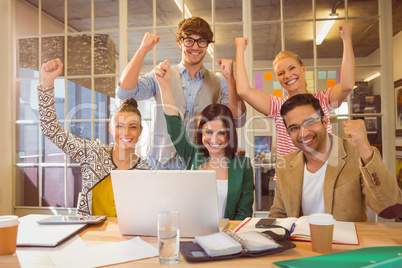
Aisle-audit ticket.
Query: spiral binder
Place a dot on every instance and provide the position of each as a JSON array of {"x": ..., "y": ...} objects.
[{"x": 193, "y": 252}]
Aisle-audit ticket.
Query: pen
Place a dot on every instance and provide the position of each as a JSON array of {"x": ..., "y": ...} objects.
[{"x": 292, "y": 228}]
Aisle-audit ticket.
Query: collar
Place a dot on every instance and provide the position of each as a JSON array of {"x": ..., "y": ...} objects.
[{"x": 183, "y": 69}]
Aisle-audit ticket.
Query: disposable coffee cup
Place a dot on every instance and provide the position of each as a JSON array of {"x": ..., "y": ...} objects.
[
  {"x": 321, "y": 232},
  {"x": 8, "y": 234}
]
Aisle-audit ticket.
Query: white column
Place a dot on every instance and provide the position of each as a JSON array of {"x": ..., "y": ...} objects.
[
  {"x": 387, "y": 86},
  {"x": 248, "y": 60},
  {"x": 7, "y": 67}
]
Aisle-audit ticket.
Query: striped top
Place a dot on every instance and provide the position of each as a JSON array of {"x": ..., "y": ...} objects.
[{"x": 284, "y": 143}]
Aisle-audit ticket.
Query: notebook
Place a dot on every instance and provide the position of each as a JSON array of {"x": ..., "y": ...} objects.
[
  {"x": 344, "y": 232},
  {"x": 220, "y": 244},
  {"x": 32, "y": 234},
  {"x": 141, "y": 194}
]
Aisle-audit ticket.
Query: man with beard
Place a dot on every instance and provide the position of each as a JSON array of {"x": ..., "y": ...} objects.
[
  {"x": 329, "y": 174},
  {"x": 193, "y": 86}
]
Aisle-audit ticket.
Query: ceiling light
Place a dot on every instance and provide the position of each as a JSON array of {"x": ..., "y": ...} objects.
[
  {"x": 371, "y": 77},
  {"x": 325, "y": 29},
  {"x": 179, "y": 4},
  {"x": 328, "y": 24}
]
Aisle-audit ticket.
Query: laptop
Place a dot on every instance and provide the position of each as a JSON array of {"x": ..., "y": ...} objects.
[{"x": 140, "y": 194}]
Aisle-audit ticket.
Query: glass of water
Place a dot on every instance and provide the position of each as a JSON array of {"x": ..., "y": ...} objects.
[{"x": 169, "y": 236}]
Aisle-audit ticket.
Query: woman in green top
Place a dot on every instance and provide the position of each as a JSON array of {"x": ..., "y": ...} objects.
[{"x": 214, "y": 149}]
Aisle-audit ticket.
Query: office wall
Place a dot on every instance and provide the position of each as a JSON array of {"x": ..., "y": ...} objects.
[
  {"x": 27, "y": 21},
  {"x": 7, "y": 73},
  {"x": 398, "y": 56},
  {"x": 397, "y": 44},
  {"x": 6, "y": 122}
]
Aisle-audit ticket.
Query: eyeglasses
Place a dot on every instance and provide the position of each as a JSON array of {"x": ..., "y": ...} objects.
[
  {"x": 306, "y": 124},
  {"x": 189, "y": 42}
]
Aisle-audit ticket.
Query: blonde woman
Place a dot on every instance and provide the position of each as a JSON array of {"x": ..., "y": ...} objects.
[{"x": 290, "y": 72}]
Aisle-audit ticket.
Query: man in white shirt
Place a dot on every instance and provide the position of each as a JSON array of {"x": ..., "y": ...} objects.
[{"x": 329, "y": 174}]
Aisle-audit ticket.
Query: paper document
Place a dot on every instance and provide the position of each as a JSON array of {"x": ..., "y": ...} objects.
[{"x": 105, "y": 254}]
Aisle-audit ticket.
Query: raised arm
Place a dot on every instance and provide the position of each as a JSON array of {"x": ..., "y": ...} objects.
[
  {"x": 256, "y": 98},
  {"x": 236, "y": 104},
  {"x": 379, "y": 187},
  {"x": 162, "y": 74},
  {"x": 340, "y": 91},
  {"x": 50, "y": 71},
  {"x": 49, "y": 123},
  {"x": 175, "y": 127},
  {"x": 355, "y": 130},
  {"x": 129, "y": 78}
]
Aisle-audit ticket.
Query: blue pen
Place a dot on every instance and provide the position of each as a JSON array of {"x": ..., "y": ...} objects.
[{"x": 292, "y": 228}]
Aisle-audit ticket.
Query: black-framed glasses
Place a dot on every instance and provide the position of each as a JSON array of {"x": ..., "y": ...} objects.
[
  {"x": 306, "y": 124},
  {"x": 189, "y": 42}
]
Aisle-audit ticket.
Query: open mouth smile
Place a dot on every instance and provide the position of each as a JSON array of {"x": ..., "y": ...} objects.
[
  {"x": 216, "y": 146},
  {"x": 195, "y": 53},
  {"x": 291, "y": 82}
]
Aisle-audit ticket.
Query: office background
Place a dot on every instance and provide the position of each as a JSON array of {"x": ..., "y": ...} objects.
[{"x": 270, "y": 25}]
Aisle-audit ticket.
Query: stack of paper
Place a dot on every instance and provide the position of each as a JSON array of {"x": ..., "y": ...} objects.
[
  {"x": 218, "y": 244},
  {"x": 256, "y": 242},
  {"x": 32, "y": 234}
]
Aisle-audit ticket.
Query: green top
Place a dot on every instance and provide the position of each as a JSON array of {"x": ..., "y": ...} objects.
[{"x": 240, "y": 199}]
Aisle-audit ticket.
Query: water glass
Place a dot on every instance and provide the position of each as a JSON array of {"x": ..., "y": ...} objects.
[{"x": 169, "y": 236}]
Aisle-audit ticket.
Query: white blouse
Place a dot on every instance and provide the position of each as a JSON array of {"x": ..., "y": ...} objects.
[{"x": 222, "y": 189}]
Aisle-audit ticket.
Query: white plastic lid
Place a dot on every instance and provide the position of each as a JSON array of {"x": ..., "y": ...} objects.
[
  {"x": 321, "y": 219},
  {"x": 8, "y": 221}
]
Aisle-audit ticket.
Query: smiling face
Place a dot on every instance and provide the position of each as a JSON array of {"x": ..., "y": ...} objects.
[
  {"x": 126, "y": 129},
  {"x": 215, "y": 137},
  {"x": 290, "y": 75},
  {"x": 192, "y": 55},
  {"x": 312, "y": 139}
]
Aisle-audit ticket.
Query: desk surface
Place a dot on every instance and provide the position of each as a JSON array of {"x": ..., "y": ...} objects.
[{"x": 370, "y": 235}]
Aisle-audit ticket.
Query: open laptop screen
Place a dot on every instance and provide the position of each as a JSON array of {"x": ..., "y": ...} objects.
[{"x": 141, "y": 194}]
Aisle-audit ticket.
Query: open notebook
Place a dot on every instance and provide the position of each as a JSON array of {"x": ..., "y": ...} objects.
[
  {"x": 344, "y": 232},
  {"x": 219, "y": 244},
  {"x": 32, "y": 234}
]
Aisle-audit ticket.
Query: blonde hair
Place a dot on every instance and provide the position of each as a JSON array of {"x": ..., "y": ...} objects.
[{"x": 287, "y": 54}]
